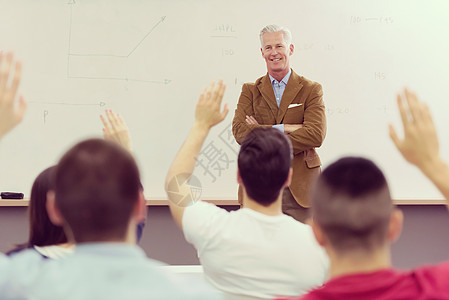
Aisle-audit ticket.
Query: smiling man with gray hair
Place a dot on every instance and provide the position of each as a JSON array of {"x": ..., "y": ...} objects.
[{"x": 291, "y": 103}]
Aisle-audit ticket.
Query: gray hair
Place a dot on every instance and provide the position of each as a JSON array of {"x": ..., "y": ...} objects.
[{"x": 275, "y": 28}]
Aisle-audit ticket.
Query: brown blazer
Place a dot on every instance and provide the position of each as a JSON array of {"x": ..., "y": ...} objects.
[{"x": 258, "y": 100}]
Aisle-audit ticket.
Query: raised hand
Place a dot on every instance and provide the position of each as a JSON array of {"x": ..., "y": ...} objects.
[
  {"x": 208, "y": 109},
  {"x": 420, "y": 143},
  {"x": 11, "y": 114},
  {"x": 115, "y": 129}
]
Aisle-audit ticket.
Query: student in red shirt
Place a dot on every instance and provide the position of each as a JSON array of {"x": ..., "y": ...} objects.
[{"x": 355, "y": 221}]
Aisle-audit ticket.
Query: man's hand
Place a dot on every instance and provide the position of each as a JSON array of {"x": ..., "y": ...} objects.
[
  {"x": 289, "y": 128},
  {"x": 10, "y": 113},
  {"x": 115, "y": 130},
  {"x": 420, "y": 143},
  {"x": 250, "y": 120},
  {"x": 208, "y": 112}
]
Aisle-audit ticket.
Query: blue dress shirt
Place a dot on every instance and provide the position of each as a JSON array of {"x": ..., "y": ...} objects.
[
  {"x": 279, "y": 88},
  {"x": 97, "y": 271}
]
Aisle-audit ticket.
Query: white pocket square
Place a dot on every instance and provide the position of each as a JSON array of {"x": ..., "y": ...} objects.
[{"x": 294, "y": 105}]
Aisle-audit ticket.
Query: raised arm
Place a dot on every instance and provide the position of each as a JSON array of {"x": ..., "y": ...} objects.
[
  {"x": 208, "y": 113},
  {"x": 115, "y": 130},
  {"x": 11, "y": 114},
  {"x": 420, "y": 144}
]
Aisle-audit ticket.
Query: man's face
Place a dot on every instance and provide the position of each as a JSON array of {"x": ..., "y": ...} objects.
[{"x": 276, "y": 52}]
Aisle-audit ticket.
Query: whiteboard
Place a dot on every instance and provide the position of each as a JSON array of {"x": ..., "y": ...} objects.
[{"x": 149, "y": 60}]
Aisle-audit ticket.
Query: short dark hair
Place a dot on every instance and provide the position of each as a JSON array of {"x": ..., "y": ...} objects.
[
  {"x": 264, "y": 162},
  {"x": 96, "y": 188},
  {"x": 351, "y": 202}
]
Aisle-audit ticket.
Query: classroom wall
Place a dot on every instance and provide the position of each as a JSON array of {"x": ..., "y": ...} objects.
[{"x": 425, "y": 237}]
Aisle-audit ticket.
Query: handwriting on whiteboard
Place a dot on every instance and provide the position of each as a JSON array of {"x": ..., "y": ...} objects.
[{"x": 372, "y": 20}]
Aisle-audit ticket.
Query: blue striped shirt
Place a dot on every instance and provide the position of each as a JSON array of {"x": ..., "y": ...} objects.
[{"x": 279, "y": 88}]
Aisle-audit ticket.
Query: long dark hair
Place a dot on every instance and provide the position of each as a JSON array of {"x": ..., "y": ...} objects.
[{"x": 42, "y": 232}]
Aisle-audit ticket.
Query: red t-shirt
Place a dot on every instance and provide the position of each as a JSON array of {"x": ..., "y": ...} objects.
[{"x": 430, "y": 282}]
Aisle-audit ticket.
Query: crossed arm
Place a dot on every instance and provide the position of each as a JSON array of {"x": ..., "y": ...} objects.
[
  {"x": 309, "y": 134},
  {"x": 288, "y": 128}
]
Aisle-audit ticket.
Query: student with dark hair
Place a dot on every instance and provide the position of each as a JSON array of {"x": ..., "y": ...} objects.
[
  {"x": 360, "y": 209},
  {"x": 96, "y": 190},
  {"x": 264, "y": 164},
  {"x": 47, "y": 239},
  {"x": 97, "y": 199},
  {"x": 44, "y": 237},
  {"x": 116, "y": 130},
  {"x": 257, "y": 251},
  {"x": 355, "y": 221}
]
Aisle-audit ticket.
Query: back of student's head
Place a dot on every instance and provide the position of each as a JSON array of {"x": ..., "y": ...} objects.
[
  {"x": 96, "y": 189},
  {"x": 264, "y": 162},
  {"x": 351, "y": 203},
  {"x": 42, "y": 230}
]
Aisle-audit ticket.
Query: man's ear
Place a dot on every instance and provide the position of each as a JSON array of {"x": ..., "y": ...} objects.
[
  {"x": 395, "y": 226},
  {"x": 239, "y": 178},
  {"x": 140, "y": 210},
  {"x": 261, "y": 51},
  {"x": 292, "y": 49},
  {"x": 289, "y": 178},
  {"x": 53, "y": 212},
  {"x": 317, "y": 232}
]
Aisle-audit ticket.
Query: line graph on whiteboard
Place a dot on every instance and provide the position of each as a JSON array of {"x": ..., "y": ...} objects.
[{"x": 94, "y": 65}]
